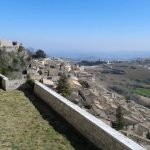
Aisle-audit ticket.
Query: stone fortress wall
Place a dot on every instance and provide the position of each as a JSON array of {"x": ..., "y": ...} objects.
[{"x": 102, "y": 135}]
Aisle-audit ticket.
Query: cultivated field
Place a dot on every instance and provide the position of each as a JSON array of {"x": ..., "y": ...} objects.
[
  {"x": 129, "y": 79},
  {"x": 26, "y": 123},
  {"x": 143, "y": 91}
]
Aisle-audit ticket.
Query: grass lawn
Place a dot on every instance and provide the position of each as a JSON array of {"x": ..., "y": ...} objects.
[
  {"x": 26, "y": 123},
  {"x": 143, "y": 91}
]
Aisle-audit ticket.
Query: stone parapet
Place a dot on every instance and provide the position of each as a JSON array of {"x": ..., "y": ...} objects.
[{"x": 102, "y": 135}]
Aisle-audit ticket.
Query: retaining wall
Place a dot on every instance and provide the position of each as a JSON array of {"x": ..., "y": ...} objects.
[
  {"x": 7, "y": 84},
  {"x": 102, "y": 135}
]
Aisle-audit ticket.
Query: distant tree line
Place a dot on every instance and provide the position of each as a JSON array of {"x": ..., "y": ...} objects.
[
  {"x": 91, "y": 63},
  {"x": 113, "y": 71},
  {"x": 97, "y": 62}
]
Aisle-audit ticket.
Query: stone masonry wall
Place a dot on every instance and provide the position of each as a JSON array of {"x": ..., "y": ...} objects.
[
  {"x": 7, "y": 84},
  {"x": 102, "y": 135}
]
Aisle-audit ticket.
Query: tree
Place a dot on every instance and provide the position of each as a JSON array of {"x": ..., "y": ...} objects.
[
  {"x": 63, "y": 86},
  {"x": 40, "y": 54},
  {"x": 119, "y": 119}
]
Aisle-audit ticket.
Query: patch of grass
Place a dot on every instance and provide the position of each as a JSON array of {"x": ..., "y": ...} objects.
[
  {"x": 28, "y": 123},
  {"x": 143, "y": 91}
]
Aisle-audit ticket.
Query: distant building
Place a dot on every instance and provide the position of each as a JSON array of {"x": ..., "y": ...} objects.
[{"x": 8, "y": 45}]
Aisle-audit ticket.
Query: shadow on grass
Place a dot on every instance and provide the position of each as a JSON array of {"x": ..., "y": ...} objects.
[{"x": 59, "y": 124}]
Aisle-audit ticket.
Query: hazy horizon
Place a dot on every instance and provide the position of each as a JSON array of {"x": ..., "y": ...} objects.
[
  {"x": 107, "y": 55},
  {"x": 78, "y": 27}
]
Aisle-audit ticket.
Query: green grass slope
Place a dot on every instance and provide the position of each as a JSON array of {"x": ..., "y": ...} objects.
[{"x": 26, "y": 123}]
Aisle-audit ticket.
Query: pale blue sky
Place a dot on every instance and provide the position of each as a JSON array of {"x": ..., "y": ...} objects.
[{"x": 77, "y": 25}]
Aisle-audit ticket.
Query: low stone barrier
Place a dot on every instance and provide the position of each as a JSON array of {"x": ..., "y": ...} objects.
[
  {"x": 102, "y": 135},
  {"x": 7, "y": 84}
]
